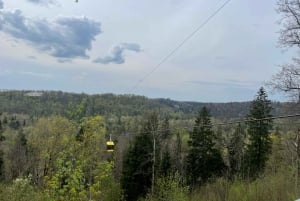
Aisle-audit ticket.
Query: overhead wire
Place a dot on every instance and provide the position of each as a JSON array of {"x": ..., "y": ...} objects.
[
  {"x": 244, "y": 120},
  {"x": 179, "y": 46}
]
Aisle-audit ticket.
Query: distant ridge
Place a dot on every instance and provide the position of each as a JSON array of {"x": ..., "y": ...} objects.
[{"x": 59, "y": 103}]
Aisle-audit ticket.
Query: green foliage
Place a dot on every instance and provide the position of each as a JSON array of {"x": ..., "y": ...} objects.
[
  {"x": 169, "y": 189},
  {"x": 260, "y": 145},
  {"x": 75, "y": 106},
  {"x": 66, "y": 157},
  {"x": 137, "y": 167},
  {"x": 165, "y": 164},
  {"x": 22, "y": 190},
  {"x": 236, "y": 149},
  {"x": 204, "y": 160},
  {"x": 47, "y": 139},
  {"x": 278, "y": 187},
  {"x": 80, "y": 172},
  {"x": 77, "y": 112},
  {"x": 17, "y": 156},
  {"x": 67, "y": 182}
]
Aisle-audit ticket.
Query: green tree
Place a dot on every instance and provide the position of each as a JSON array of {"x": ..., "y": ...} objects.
[
  {"x": 165, "y": 164},
  {"x": 138, "y": 163},
  {"x": 204, "y": 160},
  {"x": 17, "y": 157},
  {"x": 169, "y": 188},
  {"x": 258, "y": 129},
  {"x": 80, "y": 170},
  {"x": 46, "y": 140},
  {"x": 166, "y": 132},
  {"x": 236, "y": 150}
]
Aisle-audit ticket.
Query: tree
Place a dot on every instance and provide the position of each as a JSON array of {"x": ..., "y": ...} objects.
[
  {"x": 290, "y": 21},
  {"x": 138, "y": 164},
  {"x": 288, "y": 79},
  {"x": 165, "y": 163},
  {"x": 46, "y": 140},
  {"x": 165, "y": 166},
  {"x": 258, "y": 129},
  {"x": 204, "y": 160},
  {"x": 169, "y": 188},
  {"x": 236, "y": 150},
  {"x": 18, "y": 157}
]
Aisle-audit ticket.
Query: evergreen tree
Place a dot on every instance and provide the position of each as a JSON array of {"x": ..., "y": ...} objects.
[
  {"x": 165, "y": 164},
  {"x": 236, "y": 150},
  {"x": 166, "y": 133},
  {"x": 260, "y": 144},
  {"x": 204, "y": 160},
  {"x": 138, "y": 163},
  {"x": 178, "y": 154},
  {"x": 5, "y": 121}
]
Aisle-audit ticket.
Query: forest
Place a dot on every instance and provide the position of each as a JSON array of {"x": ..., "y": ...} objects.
[
  {"x": 53, "y": 147},
  {"x": 53, "y": 144}
]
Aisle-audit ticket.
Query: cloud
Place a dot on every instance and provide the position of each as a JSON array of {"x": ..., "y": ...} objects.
[
  {"x": 225, "y": 83},
  {"x": 1, "y": 4},
  {"x": 64, "y": 37},
  {"x": 44, "y": 2},
  {"x": 116, "y": 53},
  {"x": 31, "y": 57},
  {"x": 35, "y": 74}
]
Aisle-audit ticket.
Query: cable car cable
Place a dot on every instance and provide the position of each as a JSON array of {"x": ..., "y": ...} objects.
[
  {"x": 222, "y": 124},
  {"x": 179, "y": 46}
]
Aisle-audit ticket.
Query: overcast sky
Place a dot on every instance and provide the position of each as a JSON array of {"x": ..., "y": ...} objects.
[{"x": 109, "y": 46}]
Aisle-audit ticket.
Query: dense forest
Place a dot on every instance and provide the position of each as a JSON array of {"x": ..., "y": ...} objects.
[
  {"x": 47, "y": 103},
  {"x": 57, "y": 146},
  {"x": 53, "y": 147}
]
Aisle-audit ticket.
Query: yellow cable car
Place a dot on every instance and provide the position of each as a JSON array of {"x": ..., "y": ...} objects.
[{"x": 110, "y": 145}]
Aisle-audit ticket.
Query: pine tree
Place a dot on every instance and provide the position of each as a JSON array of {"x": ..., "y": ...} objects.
[
  {"x": 236, "y": 150},
  {"x": 165, "y": 164},
  {"x": 178, "y": 154},
  {"x": 260, "y": 144},
  {"x": 166, "y": 133},
  {"x": 204, "y": 160},
  {"x": 138, "y": 163}
]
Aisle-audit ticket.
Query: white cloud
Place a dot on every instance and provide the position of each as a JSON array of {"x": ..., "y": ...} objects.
[
  {"x": 64, "y": 37},
  {"x": 116, "y": 53},
  {"x": 44, "y": 2}
]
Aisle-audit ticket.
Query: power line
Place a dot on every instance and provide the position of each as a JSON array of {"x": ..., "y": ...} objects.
[
  {"x": 180, "y": 45},
  {"x": 245, "y": 120}
]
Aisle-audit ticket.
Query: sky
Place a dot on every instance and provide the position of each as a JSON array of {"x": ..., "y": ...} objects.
[{"x": 112, "y": 46}]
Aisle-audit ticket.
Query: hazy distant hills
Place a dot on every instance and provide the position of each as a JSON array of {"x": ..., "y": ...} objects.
[{"x": 46, "y": 103}]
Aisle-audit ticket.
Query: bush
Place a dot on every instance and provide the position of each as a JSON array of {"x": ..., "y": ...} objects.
[
  {"x": 21, "y": 190},
  {"x": 279, "y": 187},
  {"x": 169, "y": 189}
]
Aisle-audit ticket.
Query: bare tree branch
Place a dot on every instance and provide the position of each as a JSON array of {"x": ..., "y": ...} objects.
[{"x": 287, "y": 80}]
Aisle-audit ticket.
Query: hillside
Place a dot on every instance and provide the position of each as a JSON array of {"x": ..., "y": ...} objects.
[{"x": 47, "y": 103}]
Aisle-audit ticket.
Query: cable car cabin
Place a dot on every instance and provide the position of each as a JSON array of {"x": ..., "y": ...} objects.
[{"x": 110, "y": 145}]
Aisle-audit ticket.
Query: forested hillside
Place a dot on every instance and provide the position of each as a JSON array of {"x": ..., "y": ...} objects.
[
  {"x": 61, "y": 103},
  {"x": 53, "y": 147}
]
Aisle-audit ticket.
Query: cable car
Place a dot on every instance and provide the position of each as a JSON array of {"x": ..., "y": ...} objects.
[{"x": 110, "y": 145}]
